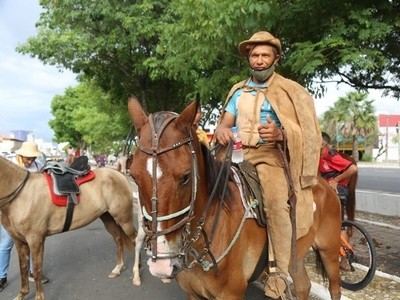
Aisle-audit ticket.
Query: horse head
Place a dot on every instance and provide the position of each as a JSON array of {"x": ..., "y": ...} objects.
[{"x": 166, "y": 168}]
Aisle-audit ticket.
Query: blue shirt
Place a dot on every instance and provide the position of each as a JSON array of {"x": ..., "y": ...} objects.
[{"x": 266, "y": 109}]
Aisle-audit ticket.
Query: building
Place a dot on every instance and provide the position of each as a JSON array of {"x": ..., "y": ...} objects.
[
  {"x": 9, "y": 144},
  {"x": 388, "y": 138}
]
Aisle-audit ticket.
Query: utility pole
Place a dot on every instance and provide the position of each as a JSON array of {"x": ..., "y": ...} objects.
[
  {"x": 398, "y": 140},
  {"x": 387, "y": 138}
]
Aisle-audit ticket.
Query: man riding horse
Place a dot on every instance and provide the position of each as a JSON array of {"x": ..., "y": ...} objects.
[{"x": 278, "y": 125}]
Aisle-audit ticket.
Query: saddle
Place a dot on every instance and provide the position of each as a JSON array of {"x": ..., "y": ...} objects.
[
  {"x": 252, "y": 189},
  {"x": 65, "y": 183}
]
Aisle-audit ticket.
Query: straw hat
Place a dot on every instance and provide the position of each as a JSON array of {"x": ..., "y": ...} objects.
[
  {"x": 29, "y": 149},
  {"x": 259, "y": 38}
]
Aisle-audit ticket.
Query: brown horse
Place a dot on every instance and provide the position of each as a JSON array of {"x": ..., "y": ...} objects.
[
  {"x": 28, "y": 214},
  {"x": 200, "y": 232}
]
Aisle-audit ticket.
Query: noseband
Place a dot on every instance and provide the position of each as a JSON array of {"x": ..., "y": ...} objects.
[{"x": 153, "y": 216}]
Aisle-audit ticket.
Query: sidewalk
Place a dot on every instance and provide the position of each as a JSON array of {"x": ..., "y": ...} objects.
[{"x": 362, "y": 164}]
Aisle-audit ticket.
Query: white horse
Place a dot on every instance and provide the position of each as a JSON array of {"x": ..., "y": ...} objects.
[{"x": 120, "y": 164}]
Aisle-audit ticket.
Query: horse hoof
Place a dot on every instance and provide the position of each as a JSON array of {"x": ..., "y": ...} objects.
[
  {"x": 113, "y": 275},
  {"x": 166, "y": 280},
  {"x": 137, "y": 282}
]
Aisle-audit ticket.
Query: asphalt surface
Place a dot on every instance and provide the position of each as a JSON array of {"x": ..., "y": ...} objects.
[{"x": 78, "y": 263}]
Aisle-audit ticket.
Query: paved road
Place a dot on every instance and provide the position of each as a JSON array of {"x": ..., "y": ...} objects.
[
  {"x": 78, "y": 262},
  {"x": 379, "y": 179}
]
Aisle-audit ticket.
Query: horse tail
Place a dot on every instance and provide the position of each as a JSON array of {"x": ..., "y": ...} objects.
[
  {"x": 351, "y": 199},
  {"x": 319, "y": 265},
  {"x": 111, "y": 226},
  {"x": 128, "y": 243}
]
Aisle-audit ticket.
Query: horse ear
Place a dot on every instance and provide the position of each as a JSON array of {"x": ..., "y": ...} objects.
[
  {"x": 138, "y": 116},
  {"x": 186, "y": 118}
]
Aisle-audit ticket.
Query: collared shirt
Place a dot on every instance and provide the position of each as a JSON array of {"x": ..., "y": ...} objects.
[{"x": 266, "y": 109}]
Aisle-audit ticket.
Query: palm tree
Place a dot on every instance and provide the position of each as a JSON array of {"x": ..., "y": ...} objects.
[{"x": 354, "y": 116}]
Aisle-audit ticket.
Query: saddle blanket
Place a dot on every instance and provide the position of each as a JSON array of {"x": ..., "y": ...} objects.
[{"x": 61, "y": 200}]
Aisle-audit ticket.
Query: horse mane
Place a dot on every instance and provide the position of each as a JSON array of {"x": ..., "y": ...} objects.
[
  {"x": 12, "y": 176},
  {"x": 213, "y": 167},
  {"x": 159, "y": 118}
]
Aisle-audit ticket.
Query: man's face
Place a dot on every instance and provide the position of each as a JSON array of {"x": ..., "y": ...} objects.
[
  {"x": 262, "y": 57},
  {"x": 27, "y": 161}
]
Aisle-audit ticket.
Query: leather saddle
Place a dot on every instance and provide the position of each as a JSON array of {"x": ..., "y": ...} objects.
[
  {"x": 252, "y": 189},
  {"x": 64, "y": 183},
  {"x": 64, "y": 178}
]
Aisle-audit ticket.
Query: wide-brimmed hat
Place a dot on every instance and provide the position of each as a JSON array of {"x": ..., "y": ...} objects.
[
  {"x": 29, "y": 149},
  {"x": 259, "y": 38}
]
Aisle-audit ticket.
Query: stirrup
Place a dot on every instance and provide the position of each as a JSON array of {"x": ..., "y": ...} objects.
[{"x": 276, "y": 285}]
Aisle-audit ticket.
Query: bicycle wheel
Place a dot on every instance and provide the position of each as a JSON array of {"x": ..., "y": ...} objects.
[{"x": 362, "y": 257}]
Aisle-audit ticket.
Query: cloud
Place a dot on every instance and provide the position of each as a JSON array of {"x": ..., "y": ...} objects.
[{"x": 27, "y": 86}]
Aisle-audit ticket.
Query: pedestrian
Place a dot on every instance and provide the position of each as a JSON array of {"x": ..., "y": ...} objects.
[
  {"x": 26, "y": 158},
  {"x": 270, "y": 111}
]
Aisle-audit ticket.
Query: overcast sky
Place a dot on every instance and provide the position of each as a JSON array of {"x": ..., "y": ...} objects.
[{"x": 27, "y": 86}]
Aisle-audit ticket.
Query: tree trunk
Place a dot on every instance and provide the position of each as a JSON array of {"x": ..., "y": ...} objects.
[{"x": 355, "y": 148}]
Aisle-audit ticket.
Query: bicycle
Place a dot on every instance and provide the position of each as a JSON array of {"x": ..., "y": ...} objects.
[{"x": 358, "y": 248}]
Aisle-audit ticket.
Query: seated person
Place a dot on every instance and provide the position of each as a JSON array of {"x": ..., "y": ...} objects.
[{"x": 335, "y": 168}]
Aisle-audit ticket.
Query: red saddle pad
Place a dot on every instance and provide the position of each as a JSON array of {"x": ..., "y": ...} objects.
[{"x": 61, "y": 200}]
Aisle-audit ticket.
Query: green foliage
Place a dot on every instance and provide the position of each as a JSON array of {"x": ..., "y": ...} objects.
[
  {"x": 85, "y": 116},
  {"x": 164, "y": 51},
  {"x": 367, "y": 158},
  {"x": 353, "y": 116}
]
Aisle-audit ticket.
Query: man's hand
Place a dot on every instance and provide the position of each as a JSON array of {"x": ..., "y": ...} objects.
[
  {"x": 270, "y": 132},
  {"x": 223, "y": 135},
  {"x": 333, "y": 184}
]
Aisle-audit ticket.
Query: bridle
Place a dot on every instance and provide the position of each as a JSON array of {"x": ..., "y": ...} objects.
[
  {"x": 189, "y": 237},
  {"x": 153, "y": 217}
]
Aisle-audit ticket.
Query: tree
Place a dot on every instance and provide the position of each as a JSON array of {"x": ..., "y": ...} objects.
[
  {"x": 164, "y": 51},
  {"x": 354, "y": 116},
  {"x": 84, "y": 117}
]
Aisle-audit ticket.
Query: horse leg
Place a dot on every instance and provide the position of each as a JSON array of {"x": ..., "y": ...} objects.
[
  {"x": 328, "y": 245},
  {"x": 141, "y": 235},
  {"x": 300, "y": 278},
  {"x": 139, "y": 242},
  {"x": 330, "y": 259},
  {"x": 112, "y": 227},
  {"x": 37, "y": 252},
  {"x": 23, "y": 257}
]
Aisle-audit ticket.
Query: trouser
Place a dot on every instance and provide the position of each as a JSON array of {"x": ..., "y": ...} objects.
[
  {"x": 6, "y": 244},
  {"x": 270, "y": 168}
]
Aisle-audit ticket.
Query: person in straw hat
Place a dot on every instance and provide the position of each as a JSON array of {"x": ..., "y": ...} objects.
[
  {"x": 27, "y": 158},
  {"x": 277, "y": 124}
]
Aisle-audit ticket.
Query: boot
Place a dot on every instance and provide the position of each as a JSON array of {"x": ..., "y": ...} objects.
[{"x": 275, "y": 286}]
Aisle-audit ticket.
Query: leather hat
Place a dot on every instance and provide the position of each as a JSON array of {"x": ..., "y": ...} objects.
[
  {"x": 259, "y": 38},
  {"x": 29, "y": 149}
]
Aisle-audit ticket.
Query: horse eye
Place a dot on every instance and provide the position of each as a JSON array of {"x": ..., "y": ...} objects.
[{"x": 185, "y": 179}]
